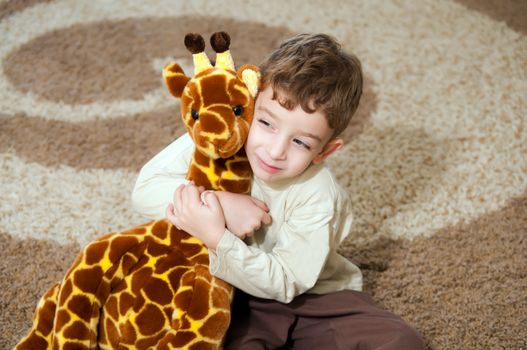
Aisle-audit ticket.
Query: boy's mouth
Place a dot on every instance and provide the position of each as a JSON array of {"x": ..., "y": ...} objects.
[{"x": 267, "y": 167}]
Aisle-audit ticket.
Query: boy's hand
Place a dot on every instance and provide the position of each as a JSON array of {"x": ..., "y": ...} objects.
[
  {"x": 243, "y": 213},
  {"x": 202, "y": 220}
]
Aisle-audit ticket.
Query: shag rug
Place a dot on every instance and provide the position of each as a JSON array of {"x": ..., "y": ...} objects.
[{"x": 435, "y": 161}]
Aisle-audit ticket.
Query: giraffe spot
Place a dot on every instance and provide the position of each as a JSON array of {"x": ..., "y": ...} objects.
[
  {"x": 199, "y": 305},
  {"x": 174, "y": 277},
  {"x": 139, "y": 279},
  {"x": 160, "y": 229},
  {"x": 240, "y": 168},
  {"x": 73, "y": 346},
  {"x": 128, "y": 334},
  {"x": 185, "y": 323},
  {"x": 110, "y": 307},
  {"x": 215, "y": 326},
  {"x": 149, "y": 342},
  {"x": 126, "y": 301},
  {"x": 102, "y": 291},
  {"x": 128, "y": 262},
  {"x": 88, "y": 280},
  {"x": 156, "y": 249},
  {"x": 81, "y": 306},
  {"x": 34, "y": 342},
  {"x": 139, "y": 302},
  {"x": 202, "y": 259},
  {"x": 158, "y": 291},
  {"x": 65, "y": 291},
  {"x": 150, "y": 320},
  {"x": 183, "y": 299},
  {"x": 142, "y": 260},
  {"x": 169, "y": 261},
  {"x": 220, "y": 297},
  {"x": 182, "y": 338},
  {"x": 199, "y": 178},
  {"x": 215, "y": 87},
  {"x": 236, "y": 186},
  {"x": 209, "y": 121},
  {"x": 95, "y": 252},
  {"x": 201, "y": 159},
  {"x": 120, "y": 244},
  {"x": 202, "y": 345},
  {"x": 77, "y": 330},
  {"x": 191, "y": 249},
  {"x": 238, "y": 96},
  {"x": 45, "y": 317},
  {"x": 111, "y": 333},
  {"x": 188, "y": 278},
  {"x": 63, "y": 317},
  {"x": 135, "y": 231},
  {"x": 176, "y": 235}
]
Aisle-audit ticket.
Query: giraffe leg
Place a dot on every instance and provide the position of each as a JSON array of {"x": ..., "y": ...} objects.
[
  {"x": 88, "y": 285},
  {"x": 40, "y": 334}
]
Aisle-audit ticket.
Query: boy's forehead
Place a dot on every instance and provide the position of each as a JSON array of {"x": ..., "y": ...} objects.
[{"x": 312, "y": 124}]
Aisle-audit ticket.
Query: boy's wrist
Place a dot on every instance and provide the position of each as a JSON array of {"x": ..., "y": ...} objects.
[{"x": 214, "y": 240}]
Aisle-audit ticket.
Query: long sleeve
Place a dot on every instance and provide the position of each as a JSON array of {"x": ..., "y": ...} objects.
[
  {"x": 159, "y": 178},
  {"x": 291, "y": 268}
]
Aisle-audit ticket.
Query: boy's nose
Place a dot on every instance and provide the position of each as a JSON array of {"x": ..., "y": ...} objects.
[{"x": 277, "y": 149}]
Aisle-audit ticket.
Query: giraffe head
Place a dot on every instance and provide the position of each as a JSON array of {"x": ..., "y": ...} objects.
[{"x": 217, "y": 104}]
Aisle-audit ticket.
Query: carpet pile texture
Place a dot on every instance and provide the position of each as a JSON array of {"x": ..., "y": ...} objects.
[{"x": 435, "y": 160}]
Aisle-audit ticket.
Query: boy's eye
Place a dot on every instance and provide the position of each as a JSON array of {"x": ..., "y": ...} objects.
[
  {"x": 302, "y": 143},
  {"x": 264, "y": 122}
]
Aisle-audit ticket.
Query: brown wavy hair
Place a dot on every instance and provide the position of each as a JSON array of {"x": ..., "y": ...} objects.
[{"x": 314, "y": 71}]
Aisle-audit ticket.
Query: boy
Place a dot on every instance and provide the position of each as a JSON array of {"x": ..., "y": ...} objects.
[{"x": 279, "y": 245}]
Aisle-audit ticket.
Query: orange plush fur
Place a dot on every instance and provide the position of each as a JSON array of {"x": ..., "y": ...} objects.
[{"x": 150, "y": 287}]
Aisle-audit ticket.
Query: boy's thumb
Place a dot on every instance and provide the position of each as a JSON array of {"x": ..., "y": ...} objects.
[
  {"x": 210, "y": 199},
  {"x": 260, "y": 204},
  {"x": 267, "y": 219}
]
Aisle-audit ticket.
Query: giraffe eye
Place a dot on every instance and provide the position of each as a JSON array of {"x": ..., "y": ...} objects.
[
  {"x": 194, "y": 114},
  {"x": 238, "y": 110}
]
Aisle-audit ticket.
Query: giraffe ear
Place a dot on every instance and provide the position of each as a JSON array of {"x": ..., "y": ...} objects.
[
  {"x": 251, "y": 77},
  {"x": 175, "y": 79}
]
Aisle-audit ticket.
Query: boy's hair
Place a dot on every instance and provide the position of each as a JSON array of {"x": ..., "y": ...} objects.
[{"x": 312, "y": 70}]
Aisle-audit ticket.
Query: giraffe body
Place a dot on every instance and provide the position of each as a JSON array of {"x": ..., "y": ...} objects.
[{"x": 150, "y": 287}]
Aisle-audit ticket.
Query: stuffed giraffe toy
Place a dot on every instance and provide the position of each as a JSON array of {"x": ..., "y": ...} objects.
[{"x": 150, "y": 287}]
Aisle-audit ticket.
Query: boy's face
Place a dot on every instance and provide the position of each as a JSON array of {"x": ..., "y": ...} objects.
[{"x": 282, "y": 143}]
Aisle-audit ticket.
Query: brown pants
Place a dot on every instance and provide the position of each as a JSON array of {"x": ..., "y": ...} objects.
[{"x": 341, "y": 320}]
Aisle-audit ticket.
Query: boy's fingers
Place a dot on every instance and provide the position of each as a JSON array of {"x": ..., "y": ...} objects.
[
  {"x": 260, "y": 204},
  {"x": 170, "y": 213},
  {"x": 212, "y": 201},
  {"x": 192, "y": 195},
  {"x": 266, "y": 219},
  {"x": 178, "y": 198}
]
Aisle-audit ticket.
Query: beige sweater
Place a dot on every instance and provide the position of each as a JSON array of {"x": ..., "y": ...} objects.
[{"x": 295, "y": 254}]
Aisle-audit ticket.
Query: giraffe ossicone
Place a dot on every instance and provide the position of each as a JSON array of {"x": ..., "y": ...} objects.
[{"x": 150, "y": 287}]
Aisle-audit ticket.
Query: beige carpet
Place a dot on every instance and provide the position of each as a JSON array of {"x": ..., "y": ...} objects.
[{"x": 436, "y": 160}]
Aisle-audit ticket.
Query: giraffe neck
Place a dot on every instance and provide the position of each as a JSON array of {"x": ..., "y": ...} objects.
[{"x": 232, "y": 174}]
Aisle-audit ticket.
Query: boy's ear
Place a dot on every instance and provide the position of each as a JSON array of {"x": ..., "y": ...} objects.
[{"x": 332, "y": 146}]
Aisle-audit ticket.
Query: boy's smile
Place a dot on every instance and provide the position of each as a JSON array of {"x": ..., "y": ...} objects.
[{"x": 282, "y": 143}]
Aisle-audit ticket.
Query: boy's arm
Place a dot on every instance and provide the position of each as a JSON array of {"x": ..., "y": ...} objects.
[
  {"x": 291, "y": 268},
  {"x": 159, "y": 178},
  {"x": 163, "y": 174}
]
